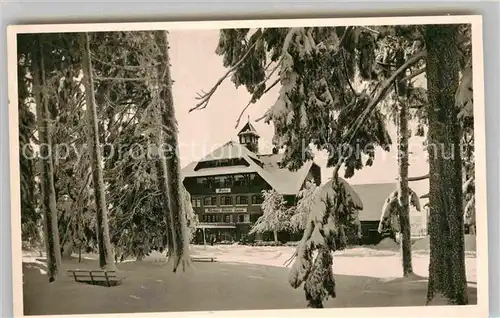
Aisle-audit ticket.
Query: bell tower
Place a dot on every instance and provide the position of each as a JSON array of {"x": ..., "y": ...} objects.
[{"x": 249, "y": 137}]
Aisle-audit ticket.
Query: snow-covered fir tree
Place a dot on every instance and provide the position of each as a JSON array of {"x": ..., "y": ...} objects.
[
  {"x": 389, "y": 218},
  {"x": 334, "y": 214},
  {"x": 275, "y": 217},
  {"x": 303, "y": 208}
]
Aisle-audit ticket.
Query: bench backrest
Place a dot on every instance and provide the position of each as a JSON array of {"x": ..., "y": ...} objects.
[{"x": 93, "y": 275}]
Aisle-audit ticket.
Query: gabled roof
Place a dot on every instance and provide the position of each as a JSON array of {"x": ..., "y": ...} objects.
[
  {"x": 373, "y": 197},
  {"x": 230, "y": 150},
  {"x": 266, "y": 166},
  {"x": 248, "y": 128}
]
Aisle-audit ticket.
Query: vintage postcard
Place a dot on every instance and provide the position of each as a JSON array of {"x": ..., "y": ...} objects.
[{"x": 266, "y": 167}]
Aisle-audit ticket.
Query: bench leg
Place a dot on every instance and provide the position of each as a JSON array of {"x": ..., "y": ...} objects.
[
  {"x": 91, "y": 278},
  {"x": 107, "y": 279}
]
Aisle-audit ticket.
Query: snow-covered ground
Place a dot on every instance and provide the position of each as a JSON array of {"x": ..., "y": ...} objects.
[{"x": 361, "y": 261}]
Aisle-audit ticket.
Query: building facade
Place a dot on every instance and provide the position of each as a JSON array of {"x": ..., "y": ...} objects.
[{"x": 226, "y": 186}]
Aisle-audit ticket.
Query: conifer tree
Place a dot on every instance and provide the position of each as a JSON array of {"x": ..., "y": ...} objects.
[
  {"x": 44, "y": 123},
  {"x": 275, "y": 217},
  {"x": 106, "y": 258},
  {"x": 303, "y": 208}
]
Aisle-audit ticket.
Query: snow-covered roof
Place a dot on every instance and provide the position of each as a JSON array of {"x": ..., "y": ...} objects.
[
  {"x": 248, "y": 128},
  {"x": 230, "y": 150},
  {"x": 284, "y": 181}
]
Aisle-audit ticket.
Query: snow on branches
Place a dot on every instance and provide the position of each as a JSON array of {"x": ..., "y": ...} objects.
[
  {"x": 464, "y": 97},
  {"x": 191, "y": 217},
  {"x": 334, "y": 214},
  {"x": 306, "y": 197},
  {"x": 468, "y": 189},
  {"x": 275, "y": 216},
  {"x": 389, "y": 218}
]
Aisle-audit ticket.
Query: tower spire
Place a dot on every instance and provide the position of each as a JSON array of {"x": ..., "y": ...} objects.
[{"x": 249, "y": 137}]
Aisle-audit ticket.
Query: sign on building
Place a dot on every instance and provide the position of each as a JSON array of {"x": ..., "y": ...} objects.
[
  {"x": 226, "y": 210},
  {"x": 223, "y": 190}
]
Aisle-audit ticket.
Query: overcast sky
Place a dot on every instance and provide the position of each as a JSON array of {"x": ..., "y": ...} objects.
[{"x": 196, "y": 67}]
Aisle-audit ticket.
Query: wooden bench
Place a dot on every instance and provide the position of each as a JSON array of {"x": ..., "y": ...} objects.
[
  {"x": 203, "y": 259},
  {"x": 96, "y": 277}
]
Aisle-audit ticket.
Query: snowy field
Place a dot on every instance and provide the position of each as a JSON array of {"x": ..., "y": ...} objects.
[
  {"x": 359, "y": 261},
  {"x": 366, "y": 277}
]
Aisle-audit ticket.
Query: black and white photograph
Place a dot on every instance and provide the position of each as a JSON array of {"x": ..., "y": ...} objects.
[{"x": 316, "y": 165}]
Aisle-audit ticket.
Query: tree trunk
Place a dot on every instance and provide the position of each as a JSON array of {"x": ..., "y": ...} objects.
[
  {"x": 403, "y": 200},
  {"x": 403, "y": 188},
  {"x": 163, "y": 181},
  {"x": 50, "y": 224},
  {"x": 275, "y": 233},
  {"x": 172, "y": 162},
  {"x": 447, "y": 278},
  {"x": 104, "y": 242}
]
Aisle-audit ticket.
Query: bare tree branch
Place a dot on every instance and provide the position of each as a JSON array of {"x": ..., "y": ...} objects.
[
  {"x": 272, "y": 85},
  {"x": 205, "y": 97},
  {"x": 263, "y": 82},
  {"x": 419, "y": 178}
]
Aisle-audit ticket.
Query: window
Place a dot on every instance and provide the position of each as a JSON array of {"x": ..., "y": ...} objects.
[
  {"x": 205, "y": 183},
  {"x": 205, "y": 218},
  {"x": 206, "y": 201},
  {"x": 227, "y": 218},
  {"x": 212, "y": 218},
  {"x": 226, "y": 200},
  {"x": 196, "y": 202},
  {"x": 228, "y": 181},
  {"x": 219, "y": 182},
  {"x": 247, "y": 218},
  {"x": 241, "y": 200},
  {"x": 257, "y": 199},
  {"x": 210, "y": 201},
  {"x": 241, "y": 218},
  {"x": 218, "y": 218},
  {"x": 235, "y": 218}
]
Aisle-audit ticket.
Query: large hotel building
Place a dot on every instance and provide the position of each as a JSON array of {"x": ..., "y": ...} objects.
[{"x": 226, "y": 185}]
